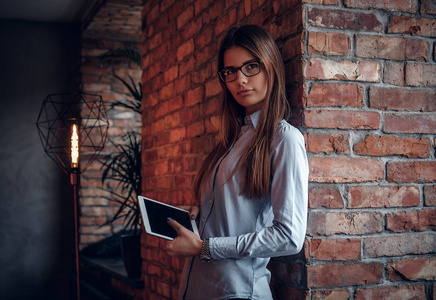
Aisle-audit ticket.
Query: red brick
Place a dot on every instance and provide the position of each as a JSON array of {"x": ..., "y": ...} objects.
[
  {"x": 342, "y": 19},
  {"x": 167, "y": 91},
  {"x": 391, "y": 292},
  {"x": 177, "y": 134},
  {"x": 192, "y": 163},
  {"x": 395, "y": 48},
  {"x": 328, "y": 43},
  {"x": 187, "y": 66},
  {"x": 407, "y": 25},
  {"x": 398, "y": 245},
  {"x": 293, "y": 47},
  {"x": 318, "y": 68},
  {"x": 194, "y": 96},
  {"x": 428, "y": 7},
  {"x": 336, "y": 294},
  {"x": 94, "y": 70},
  {"x": 325, "y": 196},
  {"x": 335, "y": 249},
  {"x": 192, "y": 28},
  {"x": 195, "y": 129},
  {"x": 430, "y": 195},
  {"x": 182, "y": 84},
  {"x": 203, "y": 74},
  {"x": 328, "y": 143},
  {"x": 398, "y": 5},
  {"x": 225, "y": 21},
  {"x": 95, "y": 211},
  {"x": 185, "y": 49},
  {"x": 343, "y": 274},
  {"x": 96, "y": 87},
  {"x": 213, "y": 88},
  {"x": 331, "y": 223},
  {"x": 341, "y": 119},
  {"x": 323, "y": 2},
  {"x": 394, "y": 73},
  {"x": 290, "y": 22},
  {"x": 383, "y": 196},
  {"x": 212, "y": 124},
  {"x": 205, "y": 54},
  {"x": 171, "y": 74},
  {"x": 344, "y": 169},
  {"x": 415, "y": 220},
  {"x": 411, "y": 171},
  {"x": 214, "y": 10},
  {"x": 175, "y": 104},
  {"x": 410, "y": 123},
  {"x": 412, "y": 269},
  {"x": 202, "y": 39},
  {"x": 375, "y": 145},
  {"x": 399, "y": 99},
  {"x": 188, "y": 115},
  {"x": 161, "y": 139},
  {"x": 186, "y": 15},
  {"x": 201, "y": 5},
  {"x": 417, "y": 74},
  {"x": 334, "y": 94}
]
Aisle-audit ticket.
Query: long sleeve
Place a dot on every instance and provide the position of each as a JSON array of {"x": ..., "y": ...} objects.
[
  {"x": 286, "y": 206},
  {"x": 244, "y": 233}
]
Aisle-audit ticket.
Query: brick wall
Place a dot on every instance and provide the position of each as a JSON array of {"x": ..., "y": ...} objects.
[
  {"x": 369, "y": 102},
  {"x": 180, "y": 40},
  {"x": 98, "y": 77},
  {"x": 113, "y": 24},
  {"x": 361, "y": 77}
]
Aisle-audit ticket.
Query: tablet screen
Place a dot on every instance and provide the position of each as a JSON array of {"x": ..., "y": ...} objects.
[{"x": 155, "y": 216}]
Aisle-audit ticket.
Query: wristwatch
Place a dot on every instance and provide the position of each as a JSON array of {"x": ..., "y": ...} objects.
[{"x": 205, "y": 251}]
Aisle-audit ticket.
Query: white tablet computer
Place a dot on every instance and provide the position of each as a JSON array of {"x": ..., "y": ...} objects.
[{"x": 155, "y": 214}]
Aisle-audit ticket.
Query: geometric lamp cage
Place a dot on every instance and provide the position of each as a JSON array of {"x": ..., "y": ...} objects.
[{"x": 59, "y": 112}]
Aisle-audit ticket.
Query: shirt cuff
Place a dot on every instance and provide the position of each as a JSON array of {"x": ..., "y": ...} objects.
[{"x": 223, "y": 248}]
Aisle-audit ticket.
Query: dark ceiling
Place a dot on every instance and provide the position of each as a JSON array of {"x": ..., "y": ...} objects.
[{"x": 66, "y": 11}]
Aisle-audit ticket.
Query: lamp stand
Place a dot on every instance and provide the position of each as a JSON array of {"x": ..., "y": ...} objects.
[{"x": 75, "y": 174}]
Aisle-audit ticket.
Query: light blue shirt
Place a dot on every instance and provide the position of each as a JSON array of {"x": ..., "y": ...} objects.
[{"x": 244, "y": 233}]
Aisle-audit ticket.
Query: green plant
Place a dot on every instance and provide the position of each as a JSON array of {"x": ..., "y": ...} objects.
[
  {"x": 134, "y": 56},
  {"x": 123, "y": 166}
]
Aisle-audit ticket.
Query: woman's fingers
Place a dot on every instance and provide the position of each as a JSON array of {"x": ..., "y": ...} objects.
[{"x": 193, "y": 210}]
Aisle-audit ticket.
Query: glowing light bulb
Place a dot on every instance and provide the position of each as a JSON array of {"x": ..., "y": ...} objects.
[{"x": 74, "y": 147}]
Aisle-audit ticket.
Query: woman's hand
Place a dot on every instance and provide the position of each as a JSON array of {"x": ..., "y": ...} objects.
[
  {"x": 193, "y": 210},
  {"x": 186, "y": 243}
]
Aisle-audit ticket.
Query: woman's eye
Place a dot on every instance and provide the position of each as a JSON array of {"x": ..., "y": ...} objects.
[
  {"x": 229, "y": 72},
  {"x": 251, "y": 66}
]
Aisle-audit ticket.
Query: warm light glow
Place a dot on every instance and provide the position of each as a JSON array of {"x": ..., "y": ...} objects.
[{"x": 74, "y": 147}]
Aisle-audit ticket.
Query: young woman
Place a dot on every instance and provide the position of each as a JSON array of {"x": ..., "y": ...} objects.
[{"x": 252, "y": 187}]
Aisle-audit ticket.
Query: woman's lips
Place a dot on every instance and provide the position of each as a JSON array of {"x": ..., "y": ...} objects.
[{"x": 245, "y": 92}]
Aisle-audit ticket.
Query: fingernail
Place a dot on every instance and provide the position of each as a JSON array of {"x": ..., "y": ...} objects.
[
  {"x": 193, "y": 216},
  {"x": 169, "y": 219}
]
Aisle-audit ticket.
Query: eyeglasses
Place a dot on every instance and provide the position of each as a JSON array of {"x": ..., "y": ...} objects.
[{"x": 249, "y": 69}]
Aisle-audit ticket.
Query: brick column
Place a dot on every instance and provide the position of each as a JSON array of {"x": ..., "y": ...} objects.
[
  {"x": 369, "y": 101},
  {"x": 360, "y": 78}
]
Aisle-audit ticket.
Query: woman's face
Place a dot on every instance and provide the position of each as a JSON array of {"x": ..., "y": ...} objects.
[{"x": 250, "y": 92}]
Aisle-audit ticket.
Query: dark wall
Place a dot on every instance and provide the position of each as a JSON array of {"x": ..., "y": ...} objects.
[{"x": 36, "y": 205}]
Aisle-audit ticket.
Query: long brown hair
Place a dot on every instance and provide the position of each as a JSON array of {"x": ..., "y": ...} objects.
[{"x": 255, "y": 161}]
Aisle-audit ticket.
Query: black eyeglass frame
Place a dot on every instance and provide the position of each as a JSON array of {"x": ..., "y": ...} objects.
[{"x": 221, "y": 76}]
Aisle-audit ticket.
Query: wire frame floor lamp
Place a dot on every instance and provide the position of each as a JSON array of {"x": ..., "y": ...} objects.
[{"x": 73, "y": 129}]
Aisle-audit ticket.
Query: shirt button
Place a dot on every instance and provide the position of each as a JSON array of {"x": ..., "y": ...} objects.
[
  {"x": 210, "y": 201},
  {"x": 203, "y": 220}
]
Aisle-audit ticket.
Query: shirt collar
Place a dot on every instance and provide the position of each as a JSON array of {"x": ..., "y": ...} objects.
[{"x": 253, "y": 118}]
